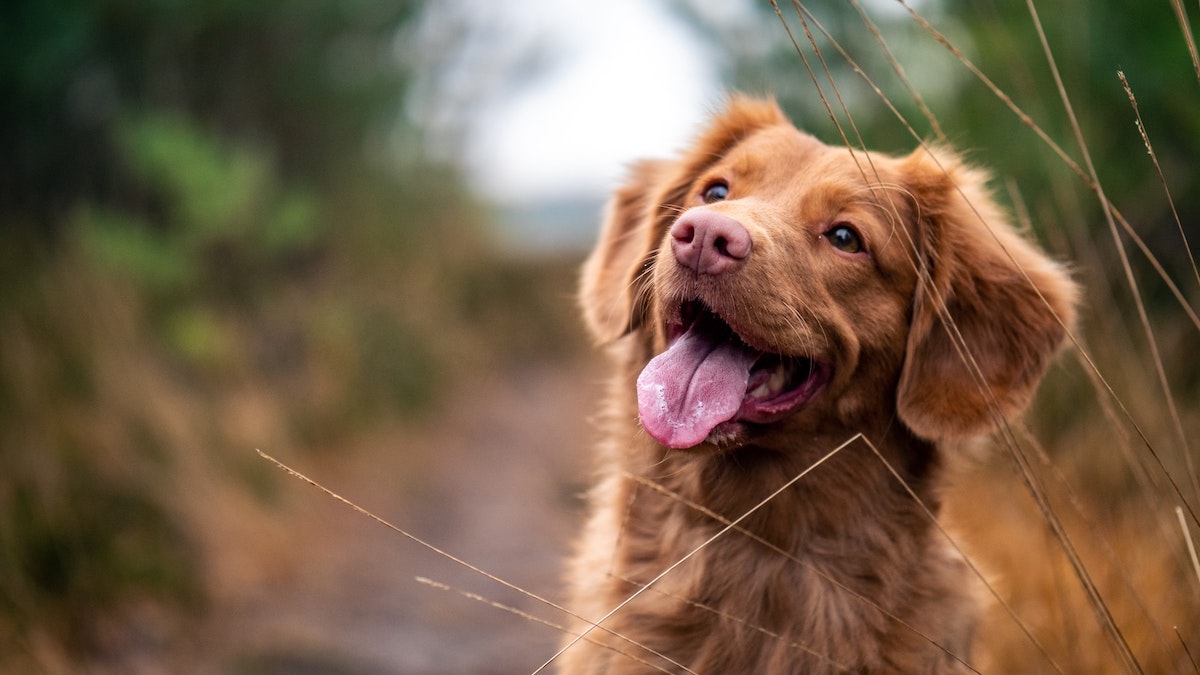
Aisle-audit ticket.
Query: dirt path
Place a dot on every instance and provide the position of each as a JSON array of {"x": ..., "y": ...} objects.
[{"x": 495, "y": 481}]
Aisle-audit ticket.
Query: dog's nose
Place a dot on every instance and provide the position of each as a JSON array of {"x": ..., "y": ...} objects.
[{"x": 708, "y": 242}]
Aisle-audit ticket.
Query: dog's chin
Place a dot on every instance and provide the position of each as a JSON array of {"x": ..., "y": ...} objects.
[
  {"x": 734, "y": 435},
  {"x": 727, "y": 436}
]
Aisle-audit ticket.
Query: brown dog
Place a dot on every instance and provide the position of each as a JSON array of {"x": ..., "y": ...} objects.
[{"x": 768, "y": 298}]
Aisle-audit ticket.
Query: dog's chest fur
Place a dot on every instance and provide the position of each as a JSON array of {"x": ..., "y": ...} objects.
[{"x": 840, "y": 572}]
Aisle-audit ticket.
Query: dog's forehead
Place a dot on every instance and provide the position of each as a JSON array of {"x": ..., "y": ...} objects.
[
  {"x": 785, "y": 153},
  {"x": 797, "y": 170},
  {"x": 780, "y": 144}
]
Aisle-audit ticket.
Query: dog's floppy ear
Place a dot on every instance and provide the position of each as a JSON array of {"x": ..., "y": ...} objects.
[
  {"x": 990, "y": 311},
  {"x": 612, "y": 289}
]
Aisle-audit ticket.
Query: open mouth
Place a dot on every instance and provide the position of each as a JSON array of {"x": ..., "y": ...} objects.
[{"x": 709, "y": 378}]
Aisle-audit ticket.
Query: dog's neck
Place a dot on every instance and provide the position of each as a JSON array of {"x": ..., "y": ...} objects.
[{"x": 794, "y": 498}]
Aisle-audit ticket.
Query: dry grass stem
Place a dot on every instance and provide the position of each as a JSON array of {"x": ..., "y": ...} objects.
[
  {"x": 1191, "y": 546},
  {"x": 1182, "y": 17},
  {"x": 1158, "y": 169},
  {"x": 528, "y": 617},
  {"x": 533, "y": 596},
  {"x": 702, "y": 546}
]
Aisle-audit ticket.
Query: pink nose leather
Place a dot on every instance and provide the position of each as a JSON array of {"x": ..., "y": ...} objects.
[{"x": 708, "y": 242}]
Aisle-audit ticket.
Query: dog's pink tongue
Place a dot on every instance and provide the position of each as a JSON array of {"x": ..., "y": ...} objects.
[{"x": 698, "y": 383}]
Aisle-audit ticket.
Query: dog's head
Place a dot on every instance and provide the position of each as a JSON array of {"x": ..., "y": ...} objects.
[{"x": 781, "y": 284}]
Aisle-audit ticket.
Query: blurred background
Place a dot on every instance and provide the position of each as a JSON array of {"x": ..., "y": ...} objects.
[{"x": 346, "y": 233}]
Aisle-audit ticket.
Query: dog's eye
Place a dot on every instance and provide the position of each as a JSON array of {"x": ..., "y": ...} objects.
[
  {"x": 717, "y": 192},
  {"x": 845, "y": 239}
]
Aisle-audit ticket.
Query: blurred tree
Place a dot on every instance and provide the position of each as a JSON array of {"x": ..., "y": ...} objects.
[
  {"x": 197, "y": 197},
  {"x": 302, "y": 80},
  {"x": 1091, "y": 42}
]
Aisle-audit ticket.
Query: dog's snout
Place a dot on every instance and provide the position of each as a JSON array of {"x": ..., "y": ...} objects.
[{"x": 708, "y": 242}]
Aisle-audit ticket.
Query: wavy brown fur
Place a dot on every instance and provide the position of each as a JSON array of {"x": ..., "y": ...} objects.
[{"x": 843, "y": 572}]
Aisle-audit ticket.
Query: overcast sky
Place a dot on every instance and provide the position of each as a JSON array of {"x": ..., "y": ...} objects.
[
  {"x": 615, "y": 81},
  {"x": 550, "y": 99}
]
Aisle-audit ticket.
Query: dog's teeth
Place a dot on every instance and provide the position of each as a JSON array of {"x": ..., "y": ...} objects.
[
  {"x": 778, "y": 380},
  {"x": 771, "y": 385}
]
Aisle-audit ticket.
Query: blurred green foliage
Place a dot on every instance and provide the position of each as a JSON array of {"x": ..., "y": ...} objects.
[
  {"x": 225, "y": 228},
  {"x": 196, "y": 199},
  {"x": 303, "y": 80},
  {"x": 74, "y": 559}
]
